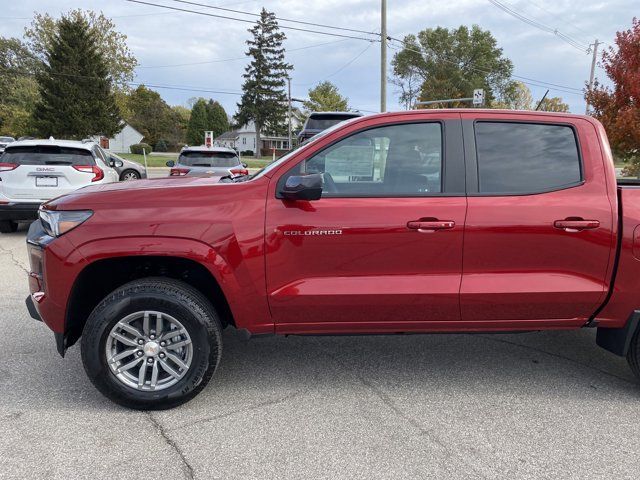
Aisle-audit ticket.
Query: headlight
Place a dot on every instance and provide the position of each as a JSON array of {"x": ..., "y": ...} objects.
[{"x": 57, "y": 223}]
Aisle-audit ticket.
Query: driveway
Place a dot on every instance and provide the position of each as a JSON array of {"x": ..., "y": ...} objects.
[{"x": 537, "y": 405}]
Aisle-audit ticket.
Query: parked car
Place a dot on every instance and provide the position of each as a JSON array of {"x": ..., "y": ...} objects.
[
  {"x": 129, "y": 170},
  {"x": 372, "y": 242},
  {"x": 34, "y": 171},
  {"x": 207, "y": 161},
  {"x": 4, "y": 141},
  {"x": 318, "y": 121}
]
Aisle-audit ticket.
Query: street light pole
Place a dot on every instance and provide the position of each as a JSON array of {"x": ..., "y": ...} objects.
[
  {"x": 593, "y": 69},
  {"x": 383, "y": 56},
  {"x": 289, "y": 98}
]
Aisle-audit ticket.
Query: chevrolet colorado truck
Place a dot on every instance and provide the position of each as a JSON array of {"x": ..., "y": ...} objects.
[{"x": 413, "y": 222}]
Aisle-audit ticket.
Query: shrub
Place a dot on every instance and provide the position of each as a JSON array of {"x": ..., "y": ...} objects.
[
  {"x": 138, "y": 147},
  {"x": 161, "y": 146},
  {"x": 247, "y": 153}
]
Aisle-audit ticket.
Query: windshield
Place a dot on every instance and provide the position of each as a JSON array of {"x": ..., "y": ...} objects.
[
  {"x": 47, "y": 155},
  {"x": 208, "y": 159},
  {"x": 322, "y": 122}
]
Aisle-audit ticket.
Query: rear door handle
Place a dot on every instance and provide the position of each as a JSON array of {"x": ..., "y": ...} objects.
[
  {"x": 430, "y": 225},
  {"x": 576, "y": 224}
]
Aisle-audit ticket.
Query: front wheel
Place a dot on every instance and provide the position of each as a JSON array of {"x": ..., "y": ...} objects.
[
  {"x": 129, "y": 175},
  {"x": 152, "y": 344}
]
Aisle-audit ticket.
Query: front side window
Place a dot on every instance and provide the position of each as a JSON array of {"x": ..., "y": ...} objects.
[
  {"x": 394, "y": 160},
  {"x": 520, "y": 158}
]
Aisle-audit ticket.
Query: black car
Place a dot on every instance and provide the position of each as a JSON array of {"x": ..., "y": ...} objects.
[{"x": 319, "y": 121}]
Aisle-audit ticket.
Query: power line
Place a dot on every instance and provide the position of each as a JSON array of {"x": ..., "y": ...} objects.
[
  {"x": 239, "y": 58},
  {"x": 340, "y": 69},
  {"x": 277, "y": 18},
  {"x": 534, "y": 23},
  {"x": 555, "y": 15},
  {"x": 319, "y": 32}
]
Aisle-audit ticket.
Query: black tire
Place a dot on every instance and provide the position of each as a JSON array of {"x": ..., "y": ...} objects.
[
  {"x": 633, "y": 355},
  {"x": 8, "y": 226},
  {"x": 168, "y": 296},
  {"x": 129, "y": 172}
]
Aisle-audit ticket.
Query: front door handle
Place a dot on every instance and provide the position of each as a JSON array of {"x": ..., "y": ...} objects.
[
  {"x": 574, "y": 224},
  {"x": 430, "y": 225}
]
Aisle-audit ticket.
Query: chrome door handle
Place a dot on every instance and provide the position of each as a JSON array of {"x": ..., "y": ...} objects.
[
  {"x": 430, "y": 225},
  {"x": 576, "y": 225}
]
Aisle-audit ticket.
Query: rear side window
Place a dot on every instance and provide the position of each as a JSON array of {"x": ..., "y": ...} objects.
[
  {"x": 519, "y": 158},
  {"x": 47, "y": 155},
  {"x": 208, "y": 159}
]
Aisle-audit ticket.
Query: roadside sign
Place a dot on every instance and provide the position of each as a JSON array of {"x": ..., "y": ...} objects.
[
  {"x": 478, "y": 96},
  {"x": 208, "y": 139}
]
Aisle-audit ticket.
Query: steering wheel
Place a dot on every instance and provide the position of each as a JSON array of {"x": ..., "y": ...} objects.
[{"x": 328, "y": 185}]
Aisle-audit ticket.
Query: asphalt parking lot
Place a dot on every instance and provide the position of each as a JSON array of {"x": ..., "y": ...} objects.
[{"x": 537, "y": 405}]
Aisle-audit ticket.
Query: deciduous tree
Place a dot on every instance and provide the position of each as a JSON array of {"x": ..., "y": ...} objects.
[
  {"x": 18, "y": 87},
  {"x": 198, "y": 123},
  {"x": 325, "y": 97},
  {"x": 618, "y": 108},
  {"x": 151, "y": 116},
  {"x": 452, "y": 63},
  {"x": 217, "y": 119}
]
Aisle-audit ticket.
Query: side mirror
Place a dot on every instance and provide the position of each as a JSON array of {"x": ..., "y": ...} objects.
[
  {"x": 116, "y": 163},
  {"x": 245, "y": 165},
  {"x": 171, "y": 164},
  {"x": 302, "y": 187}
]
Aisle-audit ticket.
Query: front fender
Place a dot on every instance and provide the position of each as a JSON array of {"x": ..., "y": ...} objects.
[{"x": 246, "y": 299}]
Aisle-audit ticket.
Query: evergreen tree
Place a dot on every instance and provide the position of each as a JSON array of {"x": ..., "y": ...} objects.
[
  {"x": 76, "y": 95},
  {"x": 198, "y": 123},
  {"x": 217, "y": 120},
  {"x": 264, "y": 100}
]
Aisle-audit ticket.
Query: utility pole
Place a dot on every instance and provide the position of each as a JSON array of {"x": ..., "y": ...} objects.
[
  {"x": 383, "y": 56},
  {"x": 593, "y": 69},
  {"x": 289, "y": 114}
]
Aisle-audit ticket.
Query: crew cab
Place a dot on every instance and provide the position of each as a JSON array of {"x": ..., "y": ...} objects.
[
  {"x": 412, "y": 222},
  {"x": 34, "y": 171}
]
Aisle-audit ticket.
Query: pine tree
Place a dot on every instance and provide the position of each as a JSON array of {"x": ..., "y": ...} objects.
[
  {"x": 76, "y": 95},
  {"x": 198, "y": 123},
  {"x": 264, "y": 100},
  {"x": 217, "y": 120}
]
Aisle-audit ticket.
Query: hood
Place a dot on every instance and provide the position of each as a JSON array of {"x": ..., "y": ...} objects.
[{"x": 129, "y": 192}]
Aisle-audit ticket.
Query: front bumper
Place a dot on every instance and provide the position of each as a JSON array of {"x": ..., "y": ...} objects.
[{"x": 19, "y": 211}]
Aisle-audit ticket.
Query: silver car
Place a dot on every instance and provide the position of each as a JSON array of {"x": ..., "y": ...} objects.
[
  {"x": 129, "y": 170},
  {"x": 207, "y": 161},
  {"x": 4, "y": 141}
]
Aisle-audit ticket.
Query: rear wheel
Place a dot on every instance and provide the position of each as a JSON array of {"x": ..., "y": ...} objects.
[
  {"x": 152, "y": 344},
  {"x": 8, "y": 226},
  {"x": 129, "y": 175},
  {"x": 633, "y": 355}
]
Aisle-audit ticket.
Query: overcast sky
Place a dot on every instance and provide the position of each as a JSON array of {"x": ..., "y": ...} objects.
[{"x": 162, "y": 40}]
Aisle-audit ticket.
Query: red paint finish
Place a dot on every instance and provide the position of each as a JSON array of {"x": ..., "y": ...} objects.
[{"x": 376, "y": 265}]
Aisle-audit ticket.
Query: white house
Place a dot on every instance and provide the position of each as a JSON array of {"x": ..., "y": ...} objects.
[
  {"x": 244, "y": 139},
  {"x": 121, "y": 142}
]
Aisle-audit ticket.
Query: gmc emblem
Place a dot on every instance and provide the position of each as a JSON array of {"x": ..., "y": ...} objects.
[{"x": 45, "y": 169}]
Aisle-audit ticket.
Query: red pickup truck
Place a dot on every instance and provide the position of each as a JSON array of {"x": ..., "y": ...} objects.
[{"x": 420, "y": 221}]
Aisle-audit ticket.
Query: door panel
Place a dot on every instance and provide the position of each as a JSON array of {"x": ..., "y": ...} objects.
[
  {"x": 369, "y": 267},
  {"x": 519, "y": 264},
  {"x": 369, "y": 263}
]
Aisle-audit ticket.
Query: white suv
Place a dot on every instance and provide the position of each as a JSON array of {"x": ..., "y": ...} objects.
[{"x": 35, "y": 171}]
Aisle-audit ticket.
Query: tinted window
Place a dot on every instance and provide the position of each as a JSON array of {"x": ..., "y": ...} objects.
[
  {"x": 321, "y": 122},
  {"x": 526, "y": 158},
  {"x": 208, "y": 159},
  {"x": 47, "y": 155},
  {"x": 396, "y": 160}
]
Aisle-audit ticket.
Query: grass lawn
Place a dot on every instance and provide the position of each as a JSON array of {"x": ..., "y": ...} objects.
[{"x": 161, "y": 161}]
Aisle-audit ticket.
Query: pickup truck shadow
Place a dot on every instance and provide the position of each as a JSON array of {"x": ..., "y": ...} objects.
[{"x": 268, "y": 370}]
